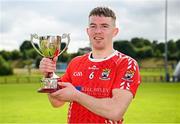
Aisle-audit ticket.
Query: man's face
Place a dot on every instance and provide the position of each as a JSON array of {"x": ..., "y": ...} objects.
[{"x": 101, "y": 30}]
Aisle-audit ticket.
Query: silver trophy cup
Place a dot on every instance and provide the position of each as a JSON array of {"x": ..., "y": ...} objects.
[{"x": 49, "y": 47}]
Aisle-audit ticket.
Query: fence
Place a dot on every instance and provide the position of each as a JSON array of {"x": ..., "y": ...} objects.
[
  {"x": 159, "y": 69},
  {"x": 26, "y": 79},
  {"x": 153, "y": 79}
]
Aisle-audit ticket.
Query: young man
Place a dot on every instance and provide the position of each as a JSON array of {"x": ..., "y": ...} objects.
[{"x": 99, "y": 85}]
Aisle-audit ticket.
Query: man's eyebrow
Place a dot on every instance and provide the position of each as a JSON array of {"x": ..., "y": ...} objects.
[
  {"x": 92, "y": 24},
  {"x": 105, "y": 24}
]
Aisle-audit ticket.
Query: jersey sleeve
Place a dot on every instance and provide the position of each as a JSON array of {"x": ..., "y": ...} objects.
[
  {"x": 66, "y": 77},
  {"x": 128, "y": 76},
  {"x": 72, "y": 64}
]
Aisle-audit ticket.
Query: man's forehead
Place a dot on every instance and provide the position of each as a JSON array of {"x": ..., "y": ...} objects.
[{"x": 100, "y": 19}]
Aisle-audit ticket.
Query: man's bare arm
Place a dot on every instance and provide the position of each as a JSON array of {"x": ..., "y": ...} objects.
[{"x": 111, "y": 108}]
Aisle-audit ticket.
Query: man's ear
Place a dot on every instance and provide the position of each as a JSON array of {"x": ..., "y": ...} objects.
[
  {"x": 116, "y": 31},
  {"x": 87, "y": 31}
]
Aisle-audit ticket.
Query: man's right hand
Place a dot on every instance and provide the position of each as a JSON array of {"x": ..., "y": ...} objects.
[{"x": 47, "y": 65}]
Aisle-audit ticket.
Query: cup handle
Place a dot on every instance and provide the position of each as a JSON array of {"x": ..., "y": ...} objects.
[
  {"x": 35, "y": 36},
  {"x": 68, "y": 41}
]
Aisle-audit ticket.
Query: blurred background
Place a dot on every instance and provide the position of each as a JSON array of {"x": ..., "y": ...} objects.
[{"x": 149, "y": 32}]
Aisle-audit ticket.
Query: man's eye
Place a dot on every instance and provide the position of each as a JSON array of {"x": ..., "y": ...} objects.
[
  {"x": 105, "y": 26},
  {"x": 92, "y": 26}
]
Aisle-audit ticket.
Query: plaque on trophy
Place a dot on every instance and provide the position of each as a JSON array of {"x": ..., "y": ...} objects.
[{"x": 49, "y": 47}]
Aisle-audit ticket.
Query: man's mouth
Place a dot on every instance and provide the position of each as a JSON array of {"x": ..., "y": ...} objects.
[{"x": 98, "y": 38}]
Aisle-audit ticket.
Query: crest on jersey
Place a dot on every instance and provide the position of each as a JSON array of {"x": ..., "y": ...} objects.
[
  {"x": 129, "y": 74},
  {"x": 105, "y": 74}
]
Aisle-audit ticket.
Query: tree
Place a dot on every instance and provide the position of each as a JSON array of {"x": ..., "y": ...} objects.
[
  {"x": 171, "y": 47},
  {"x": 15, "y": 54},
  {"x": 37, "y": 61},
  {"x": 145, "y": 52},
  {"x": 5, "y": 54},
  {"x": 64, "y": 57},
  {"x": 5, "y": 68},
  {"x": 63, "y": 45},
  {"x": 125, "y": 47},
  {"x": 31, "y": 53},
  {"x": 160, "y": 47},
  {"x": 178, "y": 44},
  {"x": 140, "y": 42},
  {"x": 26, "y": 45},
  {"x": 27, "y": 50}
]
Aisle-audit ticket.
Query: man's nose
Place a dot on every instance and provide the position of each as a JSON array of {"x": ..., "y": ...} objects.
[{"x": 98, "y": 30}]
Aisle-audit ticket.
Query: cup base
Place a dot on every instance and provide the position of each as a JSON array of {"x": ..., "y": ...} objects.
[{"x": 47, "y": 90}]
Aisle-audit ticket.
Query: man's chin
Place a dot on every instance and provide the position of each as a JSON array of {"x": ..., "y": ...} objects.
[{"x": 98, "y": 47}]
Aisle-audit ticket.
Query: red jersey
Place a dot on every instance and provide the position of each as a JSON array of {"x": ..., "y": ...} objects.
[{"x": 97, "y": 78}]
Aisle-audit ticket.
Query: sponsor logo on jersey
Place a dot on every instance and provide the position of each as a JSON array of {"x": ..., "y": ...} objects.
[
  {"x": 98, "y": 91},
  {"x": 77, "y": 74},
  {"x": 93, "y": 68},
  {"x": 105, "y": 74}
]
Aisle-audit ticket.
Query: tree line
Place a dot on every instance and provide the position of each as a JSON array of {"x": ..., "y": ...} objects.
[{"x": 138, "y": 48}]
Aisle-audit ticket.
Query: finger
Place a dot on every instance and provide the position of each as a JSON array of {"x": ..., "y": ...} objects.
[
  {"x": 47, "y": 61},
  {"x": 51, "y": 95},
  {"x": 65, "y": 84},
  {"x": 55, "y": 58},
  {"x": 47, "y": 68},
  {"x": 56, "y": 94},
  {"x": 47, "y": 65}
]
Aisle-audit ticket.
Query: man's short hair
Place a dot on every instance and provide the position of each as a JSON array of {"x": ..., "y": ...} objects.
[{"x": 103, "y": 11}]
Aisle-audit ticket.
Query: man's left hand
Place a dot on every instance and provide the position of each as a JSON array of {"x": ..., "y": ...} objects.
[{"x": 66, "y": 93}]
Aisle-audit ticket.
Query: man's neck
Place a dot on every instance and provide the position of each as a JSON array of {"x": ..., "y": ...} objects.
[{"x": 101, "y": 54}]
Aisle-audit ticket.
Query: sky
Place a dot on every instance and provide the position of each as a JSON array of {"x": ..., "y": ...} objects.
[{"x": 135, "y": 18}]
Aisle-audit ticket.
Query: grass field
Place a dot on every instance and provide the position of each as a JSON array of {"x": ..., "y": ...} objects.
[
  {"x": 20, "y": 103},
  {"x": 154, "y": 103}
]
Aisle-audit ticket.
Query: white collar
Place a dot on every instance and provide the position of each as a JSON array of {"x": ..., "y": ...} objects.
[{"x": 100, "y": 60}]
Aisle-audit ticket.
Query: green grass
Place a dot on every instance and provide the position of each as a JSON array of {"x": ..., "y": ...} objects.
[
  {"x": 154, "y": 102},
  {"x": 21, "y": 103}
]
